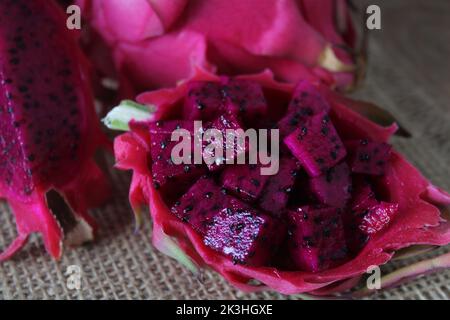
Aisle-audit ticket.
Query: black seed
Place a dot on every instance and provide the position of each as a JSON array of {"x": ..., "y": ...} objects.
[
  {"x": 177, "y": 203},
  {"x": 23, "y": 89},
  {"x": 224, "y": 191},
  {"x": 317, "y": 220},
  {"x": 307, "y": 111},
  {"x": 304, "y": 131},
  {"x": 333, "y": 155},
  {"x": 208, "y": 195},
  {"x": 364, "y": 157},
  {"x": 156, "y": 185},
  {"x": 163, "y": 145},
  {"x": 325, "y": 131},
  {"x": 187, "y": 169},
  {"x": 305, "y": 216},
  {"x": 31, "y": 157},
  {"x": 255, "y": 182},
  {"x": 364, "y": 142},
  {"x": 288, "y": 190},
  {"x": 200, "y": 106},
  {"x": 293, "y": 122},
  {"x": 188, "y": 209}
]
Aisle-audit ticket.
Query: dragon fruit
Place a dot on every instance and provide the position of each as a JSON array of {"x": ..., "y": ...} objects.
[
  {"x": 334, "y": 187},
  {"x": 165, "y": 174},
  {"x": 247, "y": 236},
  {"x": 368, "y": 157},
  {"x": 203, "y": 101},
  {"x": 316, "y": 145},
  {"x": 245, "y": 181},
  {"x": 305, "y": 103},
  {"x": 275, "y": 194},
  {"x": 167, "y": 41},
  {"x": 200, "y": 204},
  {"x": 316, "y": 238},
  {"x": 377, "y": 216},
  {"x": 48, "y": 126},
  {"x": 223, "y": 123}
]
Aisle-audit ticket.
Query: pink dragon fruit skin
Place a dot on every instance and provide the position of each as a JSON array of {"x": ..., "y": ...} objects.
[
  {"x": 48, "y": 127},
  {"x": 292, "y": 38},
  {"x": 419, "y": 219}
]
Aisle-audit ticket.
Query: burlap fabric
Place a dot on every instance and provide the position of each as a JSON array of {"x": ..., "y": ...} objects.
[{"x": 409, "y": 75}]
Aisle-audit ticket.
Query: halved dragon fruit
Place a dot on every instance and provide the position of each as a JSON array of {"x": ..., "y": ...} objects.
[
  {"x": 331, "y": 240},
  {"x": 49, "y": 131}
]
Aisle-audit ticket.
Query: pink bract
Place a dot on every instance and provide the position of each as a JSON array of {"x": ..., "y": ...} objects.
[{"x": 157, "y": 43}]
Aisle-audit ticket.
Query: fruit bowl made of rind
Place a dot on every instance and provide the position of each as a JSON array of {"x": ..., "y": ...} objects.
[{"x": 419, "y": 221}]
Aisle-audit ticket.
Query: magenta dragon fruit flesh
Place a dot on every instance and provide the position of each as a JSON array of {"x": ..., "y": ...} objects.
[
  {"x": 334, "y": 207},
  {"x": 48, "y": 128}
]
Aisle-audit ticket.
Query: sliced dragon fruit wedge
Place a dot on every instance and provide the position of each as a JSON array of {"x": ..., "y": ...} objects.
[
  {"x": 334, "y": 187},
  {"x": 247, "y": 236},
  {"x": 203, "y": 101},
  {"x": 244, "y": 98},
  {"x": 245, "y": 181},
  {"x": 276, "y": 193},
  {"x": 171, "y": 178},
  {"x": 368, "y": 157},
  {"x": 316, "y": 145},
  {"x": 305, "y": 103},
  {"x": 378, "y": 217},
  {"x": 316, "y": 238},
  {"x": 200, "y": 204},
  {"x": 230, "y": 147}
]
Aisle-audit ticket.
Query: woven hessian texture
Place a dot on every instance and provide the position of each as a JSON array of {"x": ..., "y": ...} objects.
[{"x": 408, "y": 75}]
